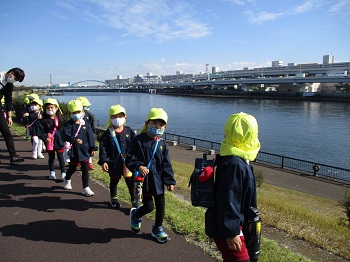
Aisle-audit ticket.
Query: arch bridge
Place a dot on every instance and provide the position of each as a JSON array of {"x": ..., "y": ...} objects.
[{"x": 88, "y": 81}]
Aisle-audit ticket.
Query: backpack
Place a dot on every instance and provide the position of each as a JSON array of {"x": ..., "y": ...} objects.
[{"x": 202, "y": 182}]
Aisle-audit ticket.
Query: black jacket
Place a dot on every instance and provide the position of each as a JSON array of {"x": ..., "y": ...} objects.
[
  {"x": 109, "y": 153},
  {"x": 235, "y": 193},
  {"x": 160, "y": 172}
]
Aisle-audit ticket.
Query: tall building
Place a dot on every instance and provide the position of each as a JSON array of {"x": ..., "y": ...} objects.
[
  {"x": 328, "y": 59},
  {"x": 214, "y": 69}
]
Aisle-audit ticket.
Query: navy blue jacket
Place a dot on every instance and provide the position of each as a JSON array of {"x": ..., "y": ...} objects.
[
  {"x": 235, "y": 193},
  {"x": 34, "y": 122},
  {"x": 109, "y": 153},
  {"x": 90, "y": 119},
  {"x": 46, "y": 126},
  {"x": 83, "y": 151},
  {"x": 160, "y": 172}
]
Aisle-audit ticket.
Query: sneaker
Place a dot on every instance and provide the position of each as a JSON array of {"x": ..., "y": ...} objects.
[
  {"x": 91, "y": 167},
  {"x": 87, "y": 191},
  {"x": 16, "y": 159},
  {"x": 67, "y": 184},
  {"x": 34, "y": 156},
  {"x": 63, "y": 176},
  {"x": 114, "y": 203},
  {"x": 159, "y": 234},
  {"x": 41, "y": 156},
  {"x": 135, "y": 224},
  {"x": 52, "y": 175}
]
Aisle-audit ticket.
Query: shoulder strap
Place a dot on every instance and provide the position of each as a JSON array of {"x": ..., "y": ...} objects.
[
  {"x": 153, "y": 153},
  {"x": 111, "y": 130}
]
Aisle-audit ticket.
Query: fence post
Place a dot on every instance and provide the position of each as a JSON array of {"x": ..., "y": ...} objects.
[{"x": 282, "y": 162}]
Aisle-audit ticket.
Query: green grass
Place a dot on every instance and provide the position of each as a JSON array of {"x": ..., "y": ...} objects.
[{"x": 308, "y": 217}]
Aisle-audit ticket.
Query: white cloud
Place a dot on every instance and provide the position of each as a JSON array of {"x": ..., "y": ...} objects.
[
  {"x": 261, "y": 17},
  {"x": 152, "y": 19},
  {"x": 307, "y": 6},
  {"x": 341, "y": 7}
]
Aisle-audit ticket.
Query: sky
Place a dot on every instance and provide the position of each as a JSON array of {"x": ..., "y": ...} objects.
[{"x": 76, "y": 40}]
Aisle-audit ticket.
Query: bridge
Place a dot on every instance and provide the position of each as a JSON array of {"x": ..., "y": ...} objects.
[{"x": 88, "y": 81}]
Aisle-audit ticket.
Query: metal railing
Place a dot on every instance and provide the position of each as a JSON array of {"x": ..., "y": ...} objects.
[{"x": 317, "y": 169}]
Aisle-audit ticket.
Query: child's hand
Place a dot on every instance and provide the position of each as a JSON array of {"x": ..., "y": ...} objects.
[
  {"x": 26, "y": 114},
  {"x": 105, "y": 167},
  {"x": 92, "y": 153},
  {"x": 48, "y": 140},
  {"x": 78, "y": 141},
  {"x": 170, "y": 187},
  {"x": 143, "y": 170},
  {"x": 40, "y": 116}
]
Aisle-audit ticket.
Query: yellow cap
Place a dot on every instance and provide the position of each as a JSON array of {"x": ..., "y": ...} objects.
[
  {"x": 84, "y": 101},
  {"x": 155, "y": 113},
  {"x": 113, "y": 110},
  {"x": 241, "y": 137},
  {"x": 38, "y": 101},
  {"x": 116, "y": 109},
  {"x": 33, "y": 96},
  {"x": 75, "y": 105},
  {"x": 51, "y": 101}
]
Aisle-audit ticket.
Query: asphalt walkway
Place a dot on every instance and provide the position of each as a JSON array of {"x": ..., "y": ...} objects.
[{"x": 40, "y": 221}]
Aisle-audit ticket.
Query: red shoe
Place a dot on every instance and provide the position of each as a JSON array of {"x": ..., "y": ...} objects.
[
  {"x": 91, "y": 167},
  {"x": 78, "y": 164}
]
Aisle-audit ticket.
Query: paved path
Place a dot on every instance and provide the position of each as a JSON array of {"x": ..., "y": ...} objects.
[{"x": 40, "y": 221}]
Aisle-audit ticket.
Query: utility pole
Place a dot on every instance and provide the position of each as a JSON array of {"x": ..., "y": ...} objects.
[{"x": 207, "y": 71}]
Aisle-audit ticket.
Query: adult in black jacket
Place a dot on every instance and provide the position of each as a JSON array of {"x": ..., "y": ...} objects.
[{"x": 6, "y": 88}]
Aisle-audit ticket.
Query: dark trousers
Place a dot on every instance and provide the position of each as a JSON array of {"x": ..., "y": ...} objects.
[
  {"x": 5, "y": 131},
  {"x": 113, "y": 183},
  {"x": 84, "y": 165},
  {"x": 60, "y": 158},
  {"x": 148, "y": 206}
]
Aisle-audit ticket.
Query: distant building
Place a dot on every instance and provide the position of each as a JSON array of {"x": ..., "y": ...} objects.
[
  {"x": 276, "y": 63},
  {"x": 328, "y": 59},
  {"x": 214, "y": 69}
]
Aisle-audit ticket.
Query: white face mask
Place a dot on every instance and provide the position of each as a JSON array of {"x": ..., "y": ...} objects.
[
  {"x": 118, "y": 121},
  {"x": 10, "y": 80},
  {"x": 50, "y": 112},
  {"x": 34, "y": 107}
]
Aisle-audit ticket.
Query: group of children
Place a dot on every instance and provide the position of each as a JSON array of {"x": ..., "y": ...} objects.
[{"x": 121, "y": 153}]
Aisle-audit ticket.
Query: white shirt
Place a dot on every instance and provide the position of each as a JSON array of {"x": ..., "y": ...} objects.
[{"x": 2, "y": 79}]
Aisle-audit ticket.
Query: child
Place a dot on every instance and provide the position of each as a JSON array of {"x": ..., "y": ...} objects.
[
  {"x": 149, "y": 156},
  {"x": 235, "y": 190},
  {"x": 50, "y": 132},
  {"x": 32, "y": 120},
  {"x": 89, "y": 118},
  {"x": 112, "y": 152},
  {"x": 80, "y": 136}
]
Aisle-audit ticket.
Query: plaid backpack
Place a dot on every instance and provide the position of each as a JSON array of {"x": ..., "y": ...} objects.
[{"x": 202, "y": 182}]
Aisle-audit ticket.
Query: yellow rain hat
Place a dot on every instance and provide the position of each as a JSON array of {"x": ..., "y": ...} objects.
[
  {"x": 52, "y": 101},
  {"x": 113, "y": 110},
  {"x": 75, "y": 105},
  {"x": 33, "y": 96},
  {"x": 26, "y": 101},
  {"x": 241, "y": 137},
  {"x": 155, "y": 113},
  {"x": 84, "y": 101},
  {"x": 38, "y": 101}
]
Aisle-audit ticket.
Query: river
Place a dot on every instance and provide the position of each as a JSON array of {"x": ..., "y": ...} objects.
[{"x": 312, "y": 131}]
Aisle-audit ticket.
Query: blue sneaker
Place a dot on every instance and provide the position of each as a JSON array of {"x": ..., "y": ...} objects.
[
  {"x": 135, "y": 224},
  {"x": 159, "y": 234}
]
